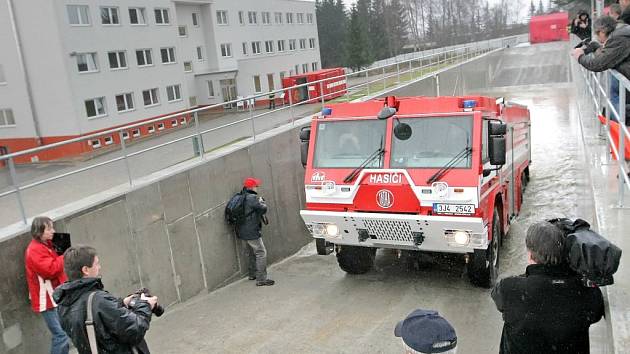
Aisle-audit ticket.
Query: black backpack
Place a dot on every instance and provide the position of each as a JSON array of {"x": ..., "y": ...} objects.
[
  {"x": 589, "y": 254},
  {"x": 235, "y": 209}
]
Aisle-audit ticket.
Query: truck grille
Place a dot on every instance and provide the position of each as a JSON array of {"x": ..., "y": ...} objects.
[{"x": 389, "y": 230}]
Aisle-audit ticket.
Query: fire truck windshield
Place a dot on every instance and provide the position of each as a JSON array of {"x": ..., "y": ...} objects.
[
  {"x": 348, "y": 144},
  {"x": 434, "y": 142}
]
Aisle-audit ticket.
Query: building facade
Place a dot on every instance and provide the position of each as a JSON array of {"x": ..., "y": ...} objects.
[{"x": 75, "y": 67}]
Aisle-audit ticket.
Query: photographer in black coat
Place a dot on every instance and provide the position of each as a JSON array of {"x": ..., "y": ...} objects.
[
  {"x": 547, "y": 309},
  {"x": 581, "y": 25},
  {"x": 250, "y": 232},
  {"x": 119, "y": 324}
]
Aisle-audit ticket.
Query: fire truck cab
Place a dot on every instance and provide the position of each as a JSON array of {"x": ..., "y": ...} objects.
[{"x": 429, "y": 174}]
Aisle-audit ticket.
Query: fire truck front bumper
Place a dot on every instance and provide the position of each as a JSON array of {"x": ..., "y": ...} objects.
[{"x": 448, "y": 234}]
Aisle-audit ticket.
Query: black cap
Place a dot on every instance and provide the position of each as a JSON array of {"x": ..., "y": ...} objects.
[{"x": 426, "y": 331}]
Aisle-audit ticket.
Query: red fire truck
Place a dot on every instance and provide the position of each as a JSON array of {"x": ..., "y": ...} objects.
[
  {"x": 335, "y": 87},
  {"x": 419, "y": 174}
]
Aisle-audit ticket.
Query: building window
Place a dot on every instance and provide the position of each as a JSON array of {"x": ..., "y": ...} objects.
[
  {"x": 161, "y": 17},
  {"x": 281, "y": 45},
  {"x": 6, "y": 117},
  {"x": 108, "y": 140},
  {"x": 269, "y": 46},
  {"x": 199, "y": 53},
  {"x": 257, "y": 87},
  {"x": 241, "y": 17},
  {"x": 210, "y": 88},
  {"x": 174, "y": 123},
  {"x": 182, "y": 31},
  {"x": 188, "y": 66},
  {"x": 109, "y": 16},
  {"x": 160, "y": 126},
  {"x": 143, "y": 56},
  {"x": 124, "y": 102},
  {"x": 226, "y": 50},
  {"x": 117, "y": 60},
  {"x": 253, "y": 17},
  {"x": 195, "y": 19},
  {"x": 291, "y": 44},
  {"x": 96, "y": 143},
  {"x": 278, "y": 17},
  {"x": 173, "y": 93},
  {"x": 78, "y": 15},
  {"x": 255, "y": 47},
  {"x": 289, "y": 18},
  {"x": 168, "y": 55},
  {"x": 311, "y": 43},
  {"x": 300, "y": 18},
  {"x": 151, "y": 129},
  {"x": 302, "y": 43},
  {"x": 270, "y": 82},
  {"x": 297, "y": 71},
  {"x": 86, "y": 62},
  {"x": 304, "y": 68},
  {"x": 125, "y": 135},
  {"x": 266, "y": 18},
  {"x": 315, "y": 66},
  {"x": 309, "y": 19},
  {"x": 95, "y": 107},
  {"x": 135, "y": 133},
  {"x": 137, "y": 16},
  {"x": 222, "y": 17},
  {"x": 244, "y": 48},
  {"x": 150, "y": 97}
]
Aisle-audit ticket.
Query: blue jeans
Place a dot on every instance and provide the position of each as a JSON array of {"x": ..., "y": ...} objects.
[
  {"x": 614, "y": 95},
  {"x": 60, "y": 341}
]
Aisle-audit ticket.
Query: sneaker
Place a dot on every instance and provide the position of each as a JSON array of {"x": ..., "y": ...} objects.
[
  {"x": 267, "y": 282},
  {"x": 252, "y": 277}
]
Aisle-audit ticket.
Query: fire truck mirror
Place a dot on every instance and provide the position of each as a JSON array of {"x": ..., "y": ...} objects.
[
  {"x": 305, "y": 134},
  {"x": 497, "y": 129},
  {"x": 497, "y": 150},
  {"x": 402, "y": 131},
  {"x": 304, "y": 152}
]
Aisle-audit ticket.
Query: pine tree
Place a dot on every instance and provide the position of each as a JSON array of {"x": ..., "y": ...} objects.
[
  {"x": 541, "y": 10},
  {"x": 358, "y": 55},
  {"x": 378, "y": 29},
  {"x": 532, "y": 9},
  {"x": 331, "y": 26},
  {"x": 397, "y": 27}
]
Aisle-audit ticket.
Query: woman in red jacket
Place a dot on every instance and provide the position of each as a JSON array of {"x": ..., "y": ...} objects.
[{"x": 44, "y": 272}]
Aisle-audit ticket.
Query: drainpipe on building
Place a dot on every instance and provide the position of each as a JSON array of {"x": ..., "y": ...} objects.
[{"x": 27, "y": 81}]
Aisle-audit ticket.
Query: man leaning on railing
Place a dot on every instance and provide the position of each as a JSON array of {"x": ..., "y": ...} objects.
[{"x": 613, "y": 53}]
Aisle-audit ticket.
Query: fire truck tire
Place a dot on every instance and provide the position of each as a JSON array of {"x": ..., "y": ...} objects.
[
  {"x": 484, "y": 264},
  {"x": 324, "y": 248},
  {"x": 355, "y": 260}
]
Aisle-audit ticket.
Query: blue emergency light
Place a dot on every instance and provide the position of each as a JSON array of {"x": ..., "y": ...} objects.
[
  {"x": 326, "y": 111},
  {"x": 470, "y": 104}
]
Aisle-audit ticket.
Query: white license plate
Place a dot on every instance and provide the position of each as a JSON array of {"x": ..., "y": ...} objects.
[{"x": 442, "y": 208}]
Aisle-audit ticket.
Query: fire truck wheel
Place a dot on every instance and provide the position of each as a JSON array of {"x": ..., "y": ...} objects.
[
  {"x": 356, "y": 260},
  {"x": 324, "y": 248},
  {"x": 484, "y": 264}
]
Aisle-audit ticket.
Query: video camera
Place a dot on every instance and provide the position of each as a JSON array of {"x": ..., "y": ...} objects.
[
  {"x": 157, "y": 310},
  {"x": 588, "y": 46}
]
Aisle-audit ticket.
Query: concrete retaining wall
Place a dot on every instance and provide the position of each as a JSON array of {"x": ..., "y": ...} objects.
[{"x": 169, "y": 235}]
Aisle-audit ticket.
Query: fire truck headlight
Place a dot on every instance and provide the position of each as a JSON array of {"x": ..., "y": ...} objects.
[
  {"x": 461, "y": 237},
  {"x": 318, "y": 230},
  {"x": 332, "y": 230}
]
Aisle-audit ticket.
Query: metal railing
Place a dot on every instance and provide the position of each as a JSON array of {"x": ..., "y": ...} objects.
[
  {"x": 597, "y": 87},
  {"x": 359, "y": 84}
]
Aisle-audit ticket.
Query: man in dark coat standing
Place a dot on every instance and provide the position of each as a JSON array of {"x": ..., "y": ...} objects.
[
  {"x": 548, "y": 309},
  {"x": 119, "y": 324},
  {"x": 250, "y": 232}
]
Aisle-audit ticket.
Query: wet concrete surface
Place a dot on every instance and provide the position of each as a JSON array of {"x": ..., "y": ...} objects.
[{"x": 317, "y": 308}]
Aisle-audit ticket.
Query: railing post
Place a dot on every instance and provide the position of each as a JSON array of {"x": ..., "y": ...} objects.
[
  {"x": 198, "y": 131},
  {"x": 437, "y": 85},
  {"x": 622, "y": 152},
  {"x": 123, "y": 148},
  {"x": 14, "y": 182},
  {"x": 384, "y": 80},
  {"x": 367, "y": 80},
  {"x": 291, "y": 107},
  {"x": 321, "y": 92},
  {"x": 397, "y": 72},
  {"x": 251, "y": 118}
]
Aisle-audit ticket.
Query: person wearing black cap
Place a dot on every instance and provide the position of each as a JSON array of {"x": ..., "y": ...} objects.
[
  {"x": 250, "y": 232},
  {"x": 548, "y": 309},
  {"x": 581, "y": 25},
  {"x": 425, "y": 331}
]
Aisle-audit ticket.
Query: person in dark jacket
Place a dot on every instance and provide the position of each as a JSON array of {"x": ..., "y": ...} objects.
[
  {"x": 547, "y": 309},
  {"x": 250, "y": 232},
  {"x": 581, "y": 25},
  {"x": 625, "y": 11},
  {"x": 120, "y": 324}
]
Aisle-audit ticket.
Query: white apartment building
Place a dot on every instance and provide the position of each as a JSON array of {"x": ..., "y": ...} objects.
[{"x": 74, "y": 67}]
